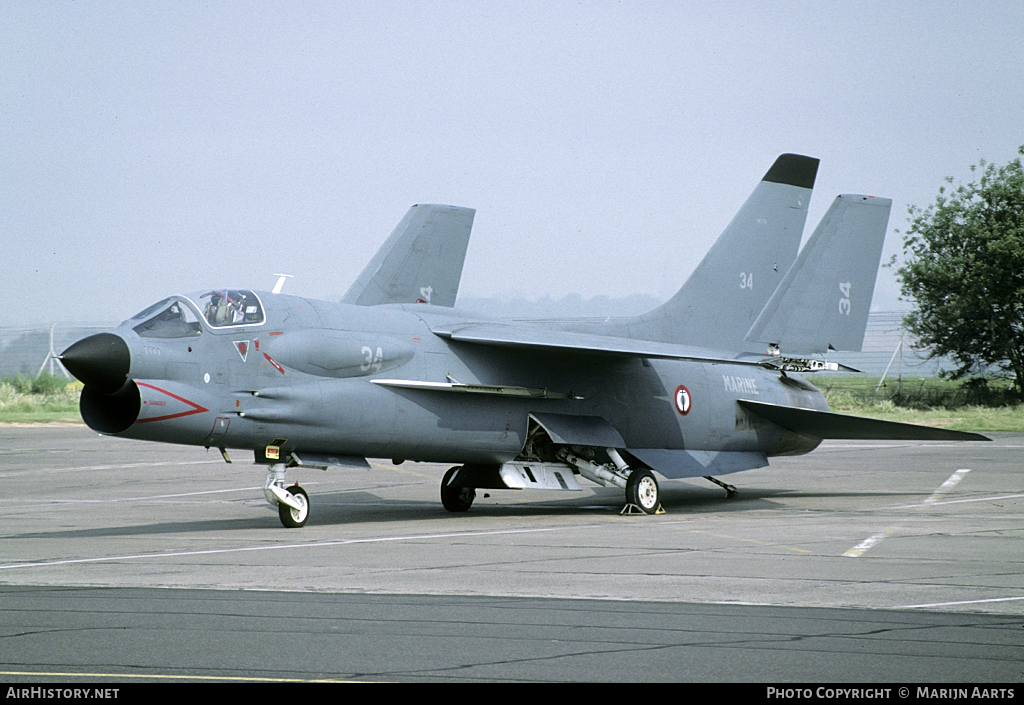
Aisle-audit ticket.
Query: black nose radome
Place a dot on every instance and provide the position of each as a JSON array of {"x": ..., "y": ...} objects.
[{"x": 100, "y": 361}]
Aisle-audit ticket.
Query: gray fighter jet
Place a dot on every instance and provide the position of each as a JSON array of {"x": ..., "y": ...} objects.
[{"x": 704, "y": 385}]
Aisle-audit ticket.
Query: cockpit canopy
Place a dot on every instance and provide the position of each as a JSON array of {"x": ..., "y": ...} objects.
[
  {"x": 181, "y": 316},
  {"x": 170, "y": 318},
  {"x": 223, "y": 308}
]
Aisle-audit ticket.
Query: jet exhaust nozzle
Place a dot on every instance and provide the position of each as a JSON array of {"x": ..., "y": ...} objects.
[{"x": 101, "y": 362}]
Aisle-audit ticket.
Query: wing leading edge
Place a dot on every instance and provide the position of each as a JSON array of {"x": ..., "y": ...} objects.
[{"x": 553, "y": 340}]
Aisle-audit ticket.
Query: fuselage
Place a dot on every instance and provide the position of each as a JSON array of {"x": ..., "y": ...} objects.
[{"x": 238, "y": 369}]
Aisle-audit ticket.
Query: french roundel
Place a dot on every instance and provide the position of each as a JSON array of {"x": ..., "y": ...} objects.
[{"x": 683, "y": 400}]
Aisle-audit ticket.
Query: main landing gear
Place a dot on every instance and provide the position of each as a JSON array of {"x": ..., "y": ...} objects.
[
  {"x": 642, "y": 491},
  {"x": 460, "y": 483},
  {"x": 456, "y": 498}
]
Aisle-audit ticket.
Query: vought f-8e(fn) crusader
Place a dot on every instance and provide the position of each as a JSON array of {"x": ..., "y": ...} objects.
[{"x": 705, "y": 385}]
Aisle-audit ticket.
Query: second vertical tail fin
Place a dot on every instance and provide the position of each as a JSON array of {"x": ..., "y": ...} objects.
[{"x": 824, "y": 299}]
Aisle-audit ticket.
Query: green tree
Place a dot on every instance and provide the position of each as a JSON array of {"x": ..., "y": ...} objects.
[{"x": 964, "y": 271}]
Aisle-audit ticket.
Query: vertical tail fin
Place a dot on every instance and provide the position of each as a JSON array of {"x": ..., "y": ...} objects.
[
  {"x": 730, "y": 286},
  {"x": 824, "y": 299},
  {"x": 420, "y": 261}
]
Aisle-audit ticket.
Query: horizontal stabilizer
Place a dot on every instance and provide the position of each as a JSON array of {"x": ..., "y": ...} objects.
[
  {"x": 824, "y": 299},
  {"x": 825, "y": 424},
  {"x": 421, "y": 261}
]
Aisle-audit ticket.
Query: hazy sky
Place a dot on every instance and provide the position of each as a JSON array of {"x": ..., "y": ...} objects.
[{"x": 151, "y": 148}]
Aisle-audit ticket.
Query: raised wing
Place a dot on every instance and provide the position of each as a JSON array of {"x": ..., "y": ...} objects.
[
  {"x": 421, "y": 261},
  {"x": 549, "y": 339},
  {"x": 824, "y": 299}
]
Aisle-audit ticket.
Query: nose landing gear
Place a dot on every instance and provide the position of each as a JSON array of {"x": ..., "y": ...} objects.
[{"x": 292, "y": 502}]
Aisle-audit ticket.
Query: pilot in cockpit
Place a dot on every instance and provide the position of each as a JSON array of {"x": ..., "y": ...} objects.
[
  {"x": 228, "y": 307},
  {"x": 218, "y": 310}
]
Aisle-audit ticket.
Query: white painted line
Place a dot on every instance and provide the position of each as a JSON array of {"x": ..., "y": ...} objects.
[
  {"x": 313, "y": 544},
  {"x": 949, "y": 484},
  {"x": 950, "y": 501},
  {"x": 961, "y": 602},
  {"x": 867, "y": 543},
  {"x": 146, "y": 498},
  {"x": 872, "y": 541},
  {"x": 124, "y": 466}
]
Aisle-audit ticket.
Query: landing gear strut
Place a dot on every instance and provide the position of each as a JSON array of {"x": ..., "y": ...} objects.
[
  {"x": 642, "y": 494},
  {"x": 730, "y": 491}
]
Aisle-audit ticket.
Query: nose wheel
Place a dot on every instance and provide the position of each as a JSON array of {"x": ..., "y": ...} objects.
[
  {"x": 292, "y": 502},
  {"x": 294, "y": 517}
]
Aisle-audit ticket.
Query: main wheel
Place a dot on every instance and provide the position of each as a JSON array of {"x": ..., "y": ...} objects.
[
  {"x": 456, "y": 499},
  {"x": 290, "y": 516},
  {"x": 642, "y": 490}
]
